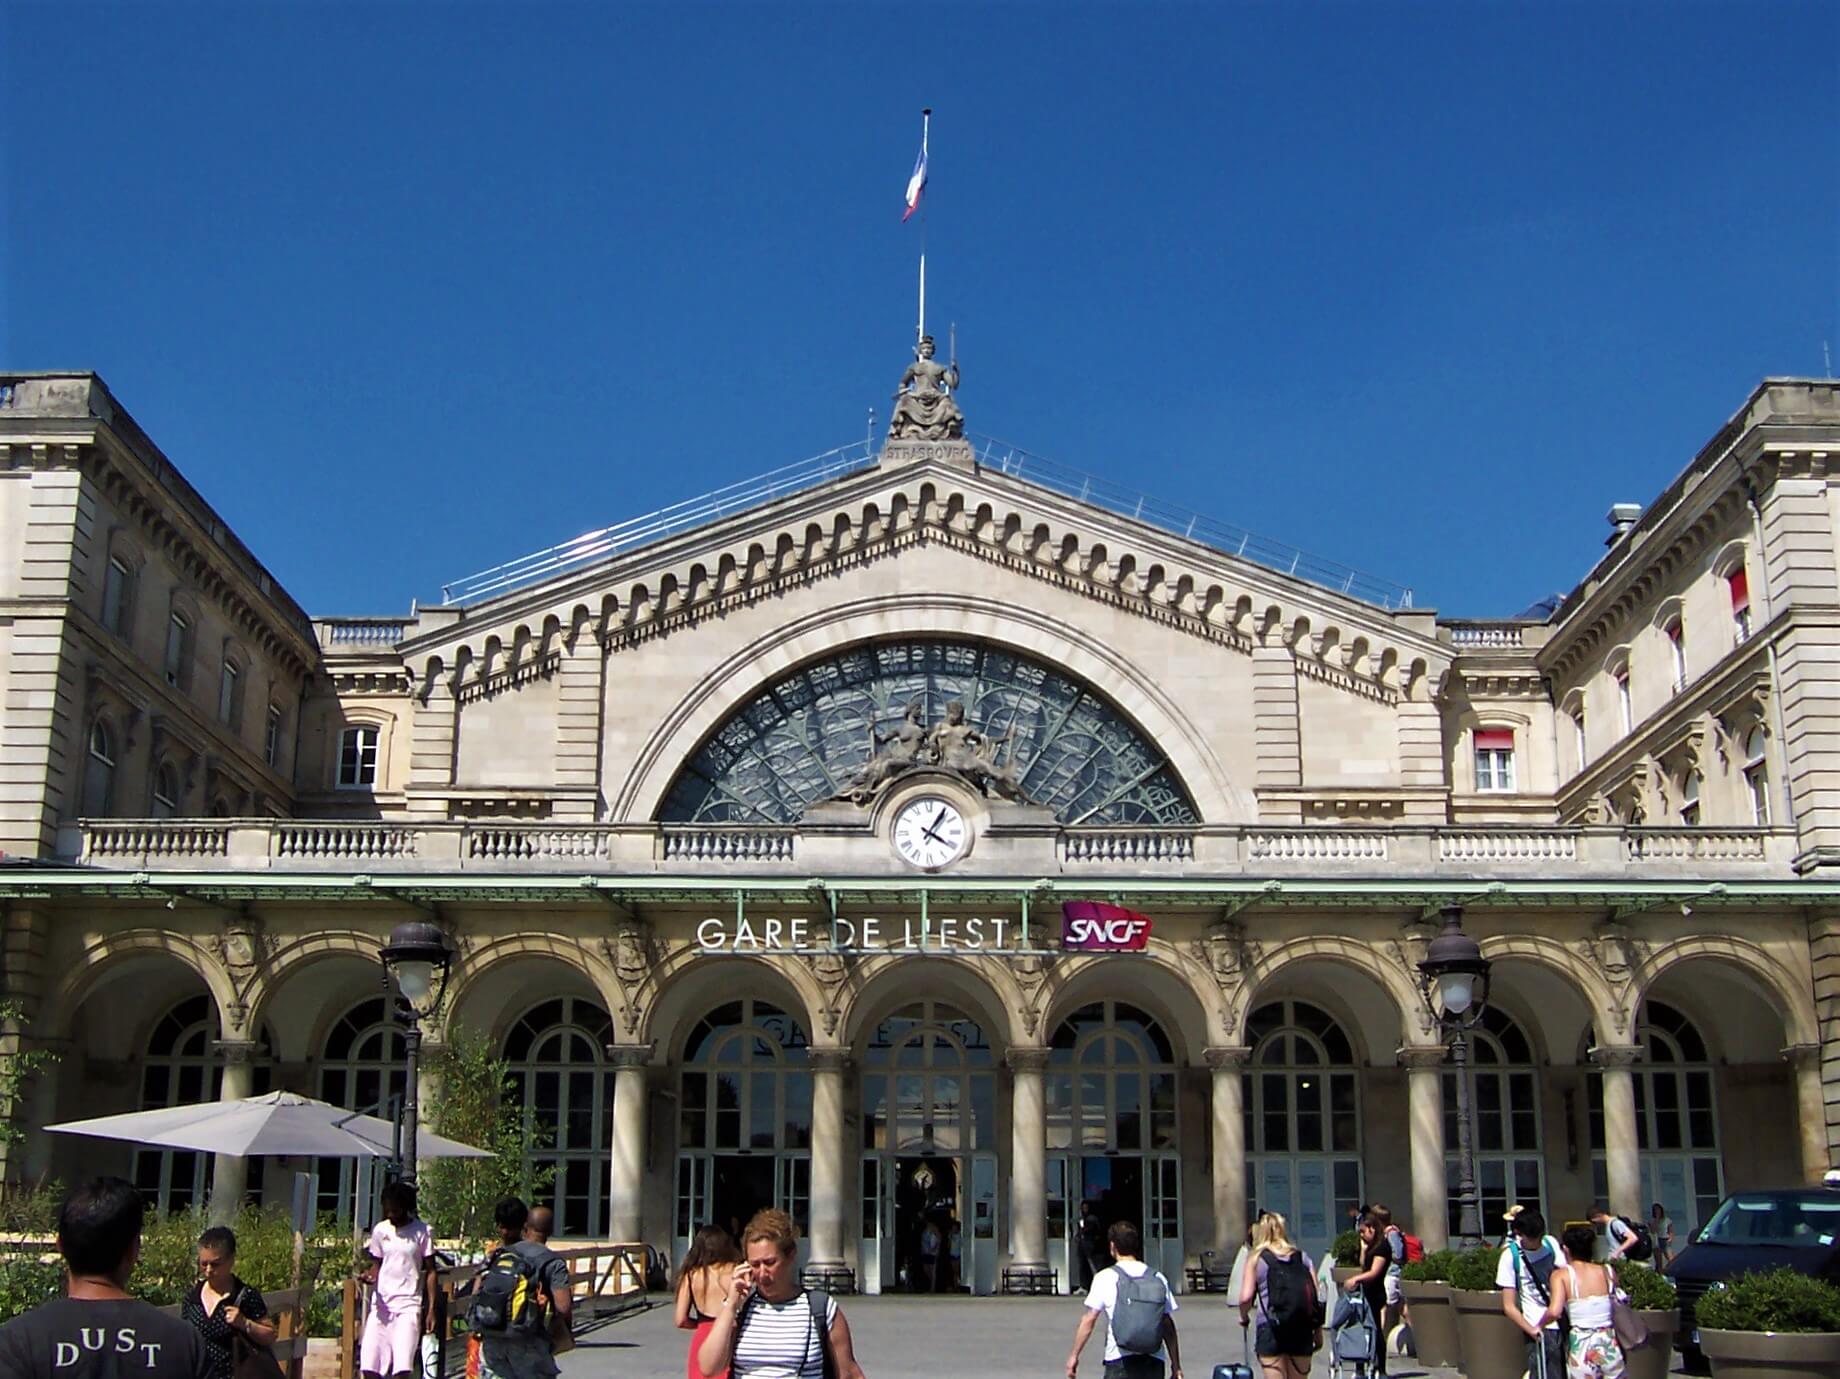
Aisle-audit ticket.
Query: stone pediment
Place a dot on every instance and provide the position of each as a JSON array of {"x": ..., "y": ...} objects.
[{"x": 934, "y": 493}]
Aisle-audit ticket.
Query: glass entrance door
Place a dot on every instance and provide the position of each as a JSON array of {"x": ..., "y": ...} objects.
[
  {"x": 1313, "y": 1193},
  {"x": 929, "y": 1224}
]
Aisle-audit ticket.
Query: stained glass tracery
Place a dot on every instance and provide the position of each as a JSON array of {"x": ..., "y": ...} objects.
[{"x": 800, "y": 738}]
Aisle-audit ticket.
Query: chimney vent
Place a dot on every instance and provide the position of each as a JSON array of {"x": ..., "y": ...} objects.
[{"x": 1622, "y": 516}]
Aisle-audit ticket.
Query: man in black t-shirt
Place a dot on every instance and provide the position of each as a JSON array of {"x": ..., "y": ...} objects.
[{"x": 98, "y": 1331}]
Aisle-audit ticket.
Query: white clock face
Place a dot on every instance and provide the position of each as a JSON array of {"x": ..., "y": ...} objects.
[{"x": 930, "y": 832}]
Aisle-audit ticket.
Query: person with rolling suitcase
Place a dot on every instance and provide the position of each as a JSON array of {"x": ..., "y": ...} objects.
[{"x": 1281, "y": 1283}]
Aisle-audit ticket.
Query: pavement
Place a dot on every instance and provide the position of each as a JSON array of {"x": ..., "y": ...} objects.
[{"x": 945, "y": 1338}]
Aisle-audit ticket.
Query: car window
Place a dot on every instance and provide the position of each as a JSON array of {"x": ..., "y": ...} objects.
[{"x": 1786, "y": 1221}]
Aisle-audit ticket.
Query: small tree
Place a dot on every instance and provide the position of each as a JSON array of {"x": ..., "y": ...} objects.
[
  {"x": 18, "y": 1066},
  {"x": 477, "y": 1106}
]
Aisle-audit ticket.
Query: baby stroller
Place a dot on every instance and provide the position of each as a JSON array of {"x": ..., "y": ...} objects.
[{"x": 1351, "y": 1335}]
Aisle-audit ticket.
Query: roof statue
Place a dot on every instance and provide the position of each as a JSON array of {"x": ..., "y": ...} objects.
[
  {"x": 951, "y": 745},
  {"x": 924, "y": 408}
]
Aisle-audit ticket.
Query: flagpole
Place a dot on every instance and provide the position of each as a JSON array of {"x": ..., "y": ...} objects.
[{"x": 926, "y": 119}]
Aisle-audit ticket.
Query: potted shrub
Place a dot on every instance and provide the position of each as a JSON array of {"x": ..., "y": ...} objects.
[
  {"x": 1652, "y": 1297},
  {"x": 1776, "y": 1325},
  {"x": 1493, "y": 1347},
  {"x": 1345, "y": 1250},
  {"x": 1434, "y": 1319}
]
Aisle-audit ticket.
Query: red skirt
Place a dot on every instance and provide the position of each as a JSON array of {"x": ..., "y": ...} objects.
[{"x": 703, "y": 1328}]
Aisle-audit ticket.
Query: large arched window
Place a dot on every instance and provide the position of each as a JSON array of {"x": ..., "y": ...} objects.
[
  {"x": 1505, "y": 1116},
  {"x": 557, "y": 1053},
  {"x": 1303, "y": 1120},
  {"x": 182, "y": 1066},
  {"x": 361, "y": 1069},
  {"x": 802, "y": 738},
  {"x": 1677, "y": 1127},
  {"x": 929, "y": 1083},
  {"x": 744, "y": 1116}
]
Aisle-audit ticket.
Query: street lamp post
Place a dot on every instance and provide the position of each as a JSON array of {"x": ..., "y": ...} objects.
[
  {"x": 417, "y": 957},
  {"x": 1454, "y": 980}
]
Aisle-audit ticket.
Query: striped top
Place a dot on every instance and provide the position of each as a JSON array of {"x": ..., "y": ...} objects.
[{"x": 780, "y": 1341}]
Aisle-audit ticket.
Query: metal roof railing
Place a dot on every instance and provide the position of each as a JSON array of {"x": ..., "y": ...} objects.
[
  {"x": 1221, "y": 536},
  {"x": 991, "y": 454},
  {"x": 637, "y": 531}
]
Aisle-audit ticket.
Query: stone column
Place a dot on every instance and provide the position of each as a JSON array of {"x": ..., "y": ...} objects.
[
  {"x": 1028, "y": 1153},
  {"x": 626, "y": 1168},
  {"x": 230, "y": 1172},
  {"x": 1811, "y": 1109},
  {"x": 1228, "y": 1063},
  {"x": 1622, "y": 1164},
  {"x": 829, "y": 1068},
  {"x": 1430, "y": 1218}
]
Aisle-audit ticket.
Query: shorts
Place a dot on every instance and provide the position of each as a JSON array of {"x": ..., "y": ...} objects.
[
  {"x": 1298, "y": 1341},
  {"x": 1135, "y": 1367},
  {"x": 1395, "y": 1291},
  {"x": 392, "y": 1341}
]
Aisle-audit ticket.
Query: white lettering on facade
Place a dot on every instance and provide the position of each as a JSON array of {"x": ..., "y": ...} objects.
[{"x": 799, "y": 933}]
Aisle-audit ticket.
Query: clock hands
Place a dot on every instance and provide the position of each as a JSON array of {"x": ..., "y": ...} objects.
[{"x": 928, "y": 830}]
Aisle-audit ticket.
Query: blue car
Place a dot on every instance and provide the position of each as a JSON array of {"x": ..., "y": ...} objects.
[{"x": 1752, "y": 1232}]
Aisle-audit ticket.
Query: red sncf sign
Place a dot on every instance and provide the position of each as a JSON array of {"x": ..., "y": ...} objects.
[{"x": 1087, "y": 926}]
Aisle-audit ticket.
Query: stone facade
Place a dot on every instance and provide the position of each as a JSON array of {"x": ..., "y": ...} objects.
[{"x": 600, "y": 781}]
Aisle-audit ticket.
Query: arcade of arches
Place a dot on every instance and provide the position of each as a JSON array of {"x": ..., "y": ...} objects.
[{"x": 972, "y": 1103}]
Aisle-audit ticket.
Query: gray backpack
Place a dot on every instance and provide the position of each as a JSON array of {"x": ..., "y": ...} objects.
[{"x": 1137, "y": 1316}]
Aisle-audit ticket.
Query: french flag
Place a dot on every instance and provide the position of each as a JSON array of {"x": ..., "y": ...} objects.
[{"x": 916, "y": 183}]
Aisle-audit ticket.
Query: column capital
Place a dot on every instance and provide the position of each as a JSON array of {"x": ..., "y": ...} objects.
[
  {"x": 1226, "y": 1057},
  {"x": 1417, "y": 1056},
  {"x": 829, "y": 1060},
  {"x": 235, "y": 1051},
  {"x": 1027, "y": 1060},
  {"x": 630, "y": 1055},
  {"x": 1616, "y": 1055},
  {"x": 1803, "y": 1057}
]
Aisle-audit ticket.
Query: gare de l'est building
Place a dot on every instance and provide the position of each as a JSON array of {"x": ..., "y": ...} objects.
[{"x": 751, "y": 827}]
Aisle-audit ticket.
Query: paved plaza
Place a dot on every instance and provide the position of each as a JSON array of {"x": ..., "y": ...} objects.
[{"x": 941, "y": 1338}]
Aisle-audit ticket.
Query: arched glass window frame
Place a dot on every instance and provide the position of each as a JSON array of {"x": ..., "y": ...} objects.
[
  {"x": 368, "y": 1069},
  {"x": 1272, "y": 1029},
  {"x": 1504, "y": 1083},
  {"x": 765, "y": 1048},
  {"x": 565, "y": 1038},
  {"x": 182, "y": 1065},
  {"x": 1113, "y": 1082},
  {"x": 165, "y": 791},
  {"x": 801, "y": 737},
  {"x": 99, "y": 765},
  {"x": 1757, "y": 775},
  {"x": 929, "y": 1083}
]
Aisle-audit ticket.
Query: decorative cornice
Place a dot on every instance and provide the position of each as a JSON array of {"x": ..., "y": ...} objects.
[
  {"x": 1026, "y": 1060},
  {"x": 1616, "y": 1055},
  {"x": 1226, "y": 1057}
]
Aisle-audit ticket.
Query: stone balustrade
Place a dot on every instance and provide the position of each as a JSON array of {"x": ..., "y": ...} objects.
[{"x": 537, "y": 847}]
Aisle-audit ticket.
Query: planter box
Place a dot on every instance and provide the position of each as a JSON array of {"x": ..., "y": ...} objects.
[
  {"x": 1493, "y": 1346},
  {"x": 1343, "y": 1275},
  {"x": 1654, "y": 1360},
  {"x": 1771, "y": 1354},
  {"x": 1434, "y": 1323}
]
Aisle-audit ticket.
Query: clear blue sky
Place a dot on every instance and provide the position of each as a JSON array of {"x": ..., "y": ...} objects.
[{"x": 407, "y": 290}]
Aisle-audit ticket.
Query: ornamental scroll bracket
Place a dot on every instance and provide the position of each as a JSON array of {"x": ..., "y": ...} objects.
[{"x": 632, "y": 952}]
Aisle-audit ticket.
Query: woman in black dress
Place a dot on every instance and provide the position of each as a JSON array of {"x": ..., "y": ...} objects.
[{"x": 222, "y": 1306}]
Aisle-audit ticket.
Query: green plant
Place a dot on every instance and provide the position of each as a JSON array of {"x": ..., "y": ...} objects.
[
  {"x": 1345, "y": 1249},
  {"x": 1474, "y": 1270},
  {"x": 1779, "y": 1300},
  {"x": 264, "y": 1259},
  {"x": 26, "y": 1281},
  {"x": 1433, "y": 1268},
  {"x": 31, "y": 1211},
  {"x": 477, "y": 1105},
  {"x": 1648, "y": 1291},
  {"x": 18, "y": 1066}
]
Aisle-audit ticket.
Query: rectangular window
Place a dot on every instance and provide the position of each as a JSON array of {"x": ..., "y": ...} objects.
[
  {"x": 178, "y": 649},
  {"x": 1739, "y": 584},
  {"x": 358, "y": 758},
  {"x": 1677, "y": 646},
  {"x": 1689, "y": 806},
  {"x": 271, "y": 743},
  {"x": 1757, "y": 782},
  {"x": 230, "y": 695},
  {"x": 1578, "y": 737},
  {"x": 117, "y": 585},
  {"x": 1623, "y": 703},
  {"x": 1494, "y": 759}
]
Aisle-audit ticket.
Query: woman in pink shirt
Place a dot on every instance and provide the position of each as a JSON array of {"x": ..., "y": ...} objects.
[{"x": 402, "y": 1275}]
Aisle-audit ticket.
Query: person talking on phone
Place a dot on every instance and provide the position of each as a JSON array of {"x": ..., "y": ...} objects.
[{"x": 769, "y": 1324}]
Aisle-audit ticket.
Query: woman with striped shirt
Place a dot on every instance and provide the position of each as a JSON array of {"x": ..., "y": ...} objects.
[{"x": 768, "y": 1326}]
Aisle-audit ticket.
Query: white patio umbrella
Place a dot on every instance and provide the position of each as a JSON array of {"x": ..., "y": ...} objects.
[{"x": 277, "y": 1124}]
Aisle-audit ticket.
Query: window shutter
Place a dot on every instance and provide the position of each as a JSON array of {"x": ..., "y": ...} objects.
[
  {"x": 1498, "y": 739},
  {"x": 1740, "y": 590}
]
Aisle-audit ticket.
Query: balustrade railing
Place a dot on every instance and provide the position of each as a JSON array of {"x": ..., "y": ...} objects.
[
  {"x": 1128, "y": 846},
  {"x": 1507, "y": 845},
  {"x": 1316, "y": 845},
  {"x": 521, "y": 842},
  {"x": 358, "y": 842},
  {"x": 363, "y": 631},
  {"x": 721, "y": 843},
  {"x": 1695, "y": 845},
  {"x": 156, "y": 839}
]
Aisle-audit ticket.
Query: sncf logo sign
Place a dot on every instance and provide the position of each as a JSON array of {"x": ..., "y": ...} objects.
[{"x": 1090, "y": 927}]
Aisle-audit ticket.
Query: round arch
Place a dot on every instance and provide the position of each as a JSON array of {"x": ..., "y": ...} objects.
[
  {"x": 1748, "y": 964},
  {"x": 1083, "y": 656},
  {"x": 1274, "y": 971},
  {"x": 102, "y": 962},
  {"x": 1162, "y": 985},
  {"x": 1581, "y": 982},
  {"x": 983, "y": 991},
  {"x": 689, "y": 985},
  {"x": 480, "y": 977}
]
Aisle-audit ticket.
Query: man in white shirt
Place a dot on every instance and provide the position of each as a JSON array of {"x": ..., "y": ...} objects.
[
  {"x": 1127, "y": 1246},
  {"x": 1524, "y": 1275},
  {"x": 1620, "y": 1237}
]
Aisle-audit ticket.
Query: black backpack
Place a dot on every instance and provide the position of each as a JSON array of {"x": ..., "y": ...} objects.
[
  {"x": 1644, "y": 1247},
  {"x": 1290, "y": 1293},
  {"x": 506, "y": 1296}
]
